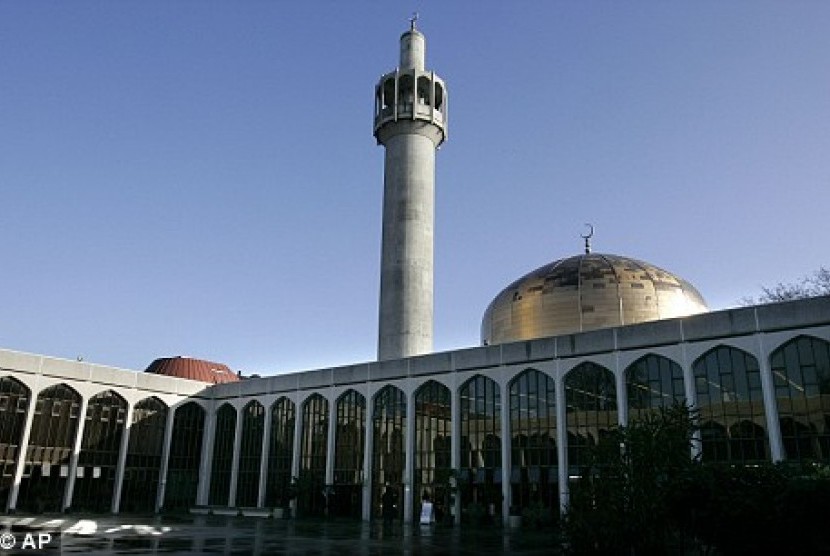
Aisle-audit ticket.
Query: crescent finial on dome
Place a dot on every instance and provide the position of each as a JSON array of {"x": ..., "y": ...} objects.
[{"x": 587, "y": 237}]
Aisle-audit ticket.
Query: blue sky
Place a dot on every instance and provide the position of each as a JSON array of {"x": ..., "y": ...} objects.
[{"x": 200, "y": 178}]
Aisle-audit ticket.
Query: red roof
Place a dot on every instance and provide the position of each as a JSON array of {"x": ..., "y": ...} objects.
[{"x": 194, "y": 369}]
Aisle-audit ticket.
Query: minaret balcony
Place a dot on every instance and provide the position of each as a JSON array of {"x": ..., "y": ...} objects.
[
  {"x": 410, "y": 95},
  {"x": 423, "y": 112}
]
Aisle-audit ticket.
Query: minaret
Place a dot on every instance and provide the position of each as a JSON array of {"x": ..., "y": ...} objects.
[{"x": 411, "y": 122}]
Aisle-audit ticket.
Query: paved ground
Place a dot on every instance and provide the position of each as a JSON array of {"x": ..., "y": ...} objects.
[{"x": 180, "y": 535}]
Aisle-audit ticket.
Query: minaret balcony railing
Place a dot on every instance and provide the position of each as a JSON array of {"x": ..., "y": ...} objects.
[{"x": 422, "y": 112}]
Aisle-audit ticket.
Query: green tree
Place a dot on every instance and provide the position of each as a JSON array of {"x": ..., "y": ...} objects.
[
  {"x": 641, "y": 492},
  {"x": 623, "y": 502}
]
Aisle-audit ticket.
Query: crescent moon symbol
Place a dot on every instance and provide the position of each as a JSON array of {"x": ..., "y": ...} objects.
[{"x": 590, "y": 234}]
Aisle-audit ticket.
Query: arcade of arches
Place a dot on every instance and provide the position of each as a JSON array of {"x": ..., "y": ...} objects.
[{"x": 478, "y": 443}]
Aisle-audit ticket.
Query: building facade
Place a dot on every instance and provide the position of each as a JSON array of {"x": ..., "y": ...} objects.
[{"x": 499, "y": 426}]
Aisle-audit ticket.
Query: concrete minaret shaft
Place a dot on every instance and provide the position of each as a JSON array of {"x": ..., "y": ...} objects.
[{"x": 411, "y": 122}]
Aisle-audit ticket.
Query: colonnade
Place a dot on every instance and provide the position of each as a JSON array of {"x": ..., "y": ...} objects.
[{"x": 501, "y": 436}]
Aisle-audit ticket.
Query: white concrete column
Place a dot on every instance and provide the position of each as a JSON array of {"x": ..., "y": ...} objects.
[
  {"x": 691, "y": 395},
  {"x": 263, "y": 460},
  {"x": 622, "y": 394},
  {"x": 20, "y": 463},
  {"x": 165, "y": 458},
  {"x": 330, "y": 437},
  {"x": 122, "y": 459},
  {"x": 455, "y": 445},
  {"x": 506, "y": 464},
  {"x": 237, "y": 443},
  {"x": 367, "y": 457},
  {"x": 298, "y": 432},
  {"x": 295, "y": 449},
  {"x": 207, "y": 458},
  {"x": 330, "y": 442},
  {"x": 562, "y": 441},
  {"x": 776, "y": 445},
  {"x": 76, "y": 451},
  {"x": 409, "y": 450}
]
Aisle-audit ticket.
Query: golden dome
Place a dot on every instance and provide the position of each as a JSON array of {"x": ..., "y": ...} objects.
[{"x": 586, "y": 292}]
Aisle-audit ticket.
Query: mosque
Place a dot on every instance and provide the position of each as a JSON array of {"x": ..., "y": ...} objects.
[{"x": 568, "y": 351}]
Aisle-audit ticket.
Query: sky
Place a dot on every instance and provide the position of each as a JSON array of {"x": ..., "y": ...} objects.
[{"x": 199, "y": 178}]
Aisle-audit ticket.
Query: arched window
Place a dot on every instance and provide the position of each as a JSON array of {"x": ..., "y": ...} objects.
[
  {"x": 731, "y": 404},
  {"x": 280, "y": 453},
  {"x": 106, "y": 416},
  {"x": 220, "y": 472},
  {"x": 424, "y": 91},
  {"x": 250, "y": 454},
  {"x": 406, "y": 93},
  {"x": 185, "y": 457},
  {"x": 801, "y": 374},
  {"x": 652, "y": 382},
  {"x": 51, "y": 441},
  {"x": 534, "y": 475},
  {"x": 388, "y": 92},
  {"x": 439, "y": 97},
  {"x": 349, "y": 443},
  {"x": 480, "y": 473},
  {"x": 388, "y": 434},
  {"x": 433, "y": 429},
  {"x": 14, "y": 401},
  {"x": 143, "y": 464},
  {"x": 313, "y": 454},
  {"x": 591, "y": 401}
]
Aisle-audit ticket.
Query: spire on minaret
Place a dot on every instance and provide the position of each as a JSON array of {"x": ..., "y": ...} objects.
[{"x": 413, "y": 47}]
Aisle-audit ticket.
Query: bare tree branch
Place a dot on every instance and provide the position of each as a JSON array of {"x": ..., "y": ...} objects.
[{"x": 813, "y": 285}]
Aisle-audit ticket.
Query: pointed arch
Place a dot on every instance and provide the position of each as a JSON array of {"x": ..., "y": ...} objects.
[
  {"x": 223, "y": 441},
  {"x": 651, "y": 382},
  {"x": 250, "y": 454},
  {"x": 280, "y": 453},
  {"x": 349, "y": 446},
  {"x": 433, "y": 445},
  {"x": 534, "y": 460},
  {"x": 728, "y": 387},
  {"x": 51, "y": 441},
  {"x": 185, "y": 456},
  {"x": 144, "y": 450},
  {"x": 480, "y": 468},
  {"x": 14, "y": 402},
  {"x": 801, "y": 376},
  {"x": 591, "y": 401},
  {"x": 104, "y": 426},
  {"x": 388, "y": 437},
  {"x": 313, "y": 454}
]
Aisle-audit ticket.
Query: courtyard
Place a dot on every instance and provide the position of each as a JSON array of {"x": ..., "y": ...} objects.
[{"x": 200, "y": 534}]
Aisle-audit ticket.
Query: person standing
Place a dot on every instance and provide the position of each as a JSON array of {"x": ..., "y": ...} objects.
[{"x": 388, "y": 505}]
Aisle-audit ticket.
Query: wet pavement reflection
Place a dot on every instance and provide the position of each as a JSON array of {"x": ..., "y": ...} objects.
[{"x": 201, "y": 534}]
